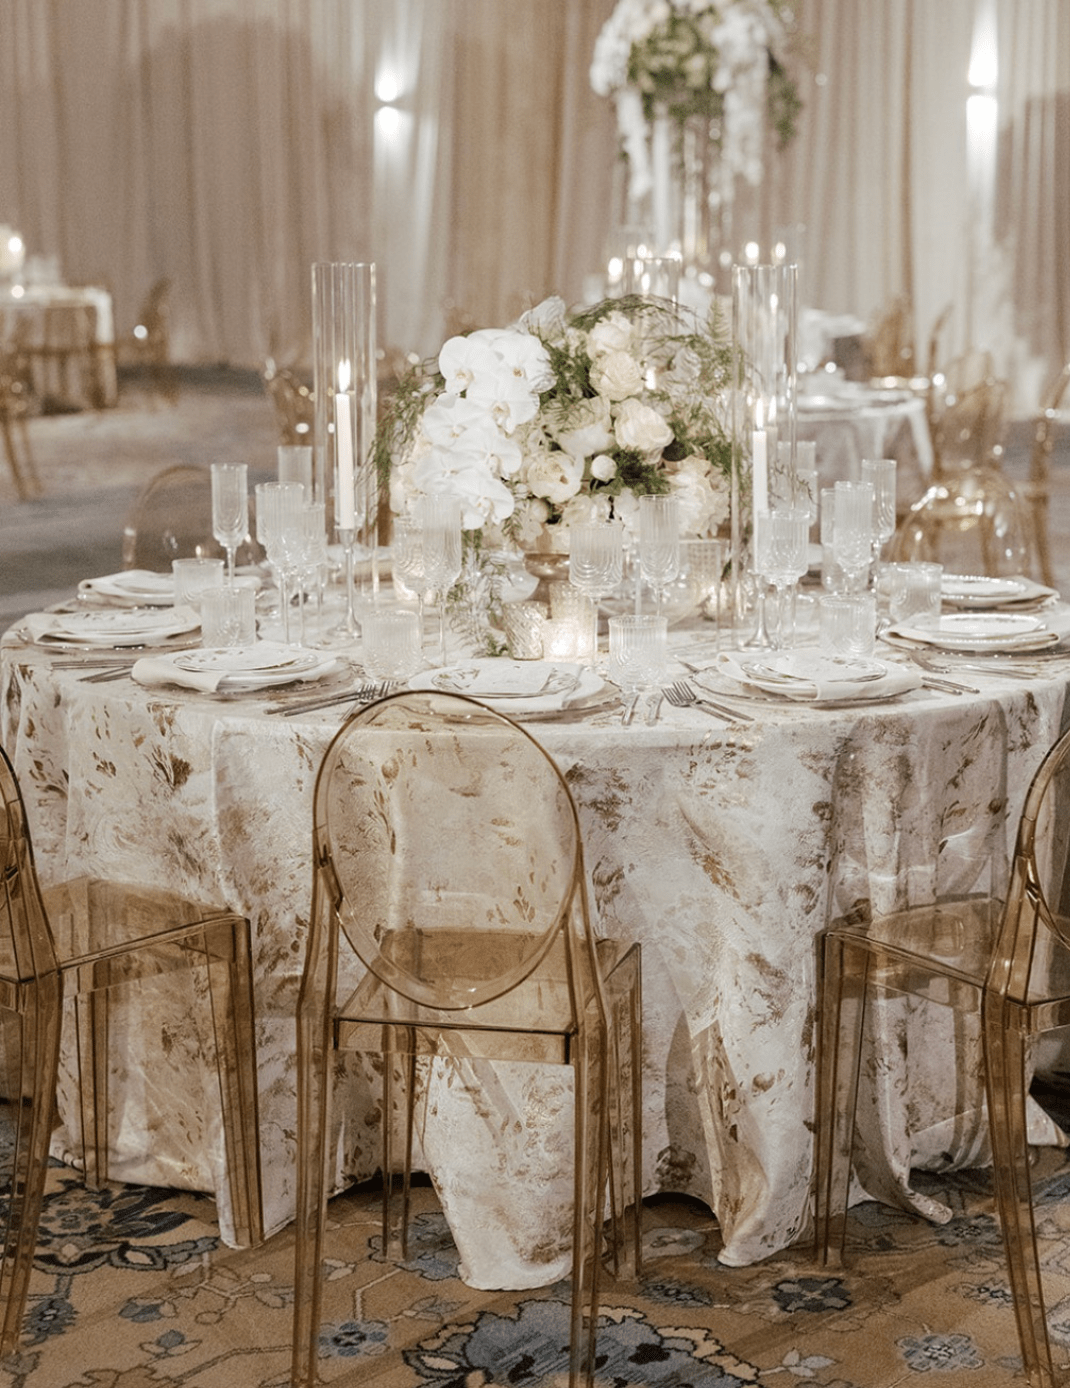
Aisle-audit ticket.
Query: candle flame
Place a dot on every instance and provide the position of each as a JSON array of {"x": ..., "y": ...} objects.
[{"x": 344, "y": 374}]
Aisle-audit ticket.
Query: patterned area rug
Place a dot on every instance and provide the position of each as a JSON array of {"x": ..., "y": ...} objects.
[{"x": 132, "y": 1289}]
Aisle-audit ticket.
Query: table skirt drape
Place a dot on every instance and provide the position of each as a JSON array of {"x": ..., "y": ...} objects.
[{"x": 723, "y": 852}]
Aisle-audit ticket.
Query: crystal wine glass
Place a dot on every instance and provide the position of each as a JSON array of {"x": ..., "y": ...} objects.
[
  {"x": 780, "y": 542},
  {"x": 881, "y": 473},
  {"x": 230, "y": 508},
  {"x": 407, "y": 559},
  {"x": 596, "y": 563},
  {"x": 852, "y": 532},
  {"x": 439, "y": 518},
  {"x": 659, "y": 543}
]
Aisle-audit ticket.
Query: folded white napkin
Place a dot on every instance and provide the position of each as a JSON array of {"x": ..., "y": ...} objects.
[
  {"x": 133, "y": 586},
  {"x": 900, "y": 679},
  {"x": 155, "y": 671}
]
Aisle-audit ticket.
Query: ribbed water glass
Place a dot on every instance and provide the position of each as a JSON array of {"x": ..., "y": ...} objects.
[
  {"x": 596, "y": 563},
  {"x": 659, "y": 543},
  {"x": 852, "y": 533}
]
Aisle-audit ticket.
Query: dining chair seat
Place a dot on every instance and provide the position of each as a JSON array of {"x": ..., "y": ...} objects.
[
  {"x": 449, "y": 878},
  {"x": 1001, "y": 962},
  {"x": 84, "y": 939}
]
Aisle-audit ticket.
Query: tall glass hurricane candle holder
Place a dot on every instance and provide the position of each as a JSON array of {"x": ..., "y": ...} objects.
[
  {"x": 344, "y": 365},
  {"x": 763, "y": 415}
]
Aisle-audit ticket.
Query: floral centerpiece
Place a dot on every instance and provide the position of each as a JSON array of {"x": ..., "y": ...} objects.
[
  {"x": 566, "y": 417},
  {"x": 724, "y": 62}
]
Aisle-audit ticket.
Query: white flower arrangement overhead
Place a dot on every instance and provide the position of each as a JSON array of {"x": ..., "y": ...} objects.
[
  {"x": 567, "y": 417},
  {"x": 724, "y": 62}
]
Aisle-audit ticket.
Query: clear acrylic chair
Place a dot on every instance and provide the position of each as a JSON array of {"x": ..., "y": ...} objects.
[
  {"x": 82, "y": 938},
  {"x": 448, "y": 863},
  {"x": 1036, "y": 492},
  {"x": 1006, "y": 963},
  {"x": 171, "y": 518}
]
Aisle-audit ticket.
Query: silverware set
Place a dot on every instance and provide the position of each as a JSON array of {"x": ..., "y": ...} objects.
[{"x": 365, "y": 693}]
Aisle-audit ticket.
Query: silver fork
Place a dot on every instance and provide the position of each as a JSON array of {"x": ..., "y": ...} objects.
[
  {"x": 683, "y": 696},
  {"x": 363, "y": 694}
]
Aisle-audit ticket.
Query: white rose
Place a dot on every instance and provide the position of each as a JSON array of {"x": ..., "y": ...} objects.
[
  {"x": 641, "y": 428},
  {"x": 614, "y": 333},
  {"x": 603, "y": 468},
  {"x": 617, "y": 376},
  {"x": 555, "y": 476}
]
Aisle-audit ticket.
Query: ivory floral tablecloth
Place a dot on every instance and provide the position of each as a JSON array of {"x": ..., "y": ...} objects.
[{"x": 722, "y": 851}]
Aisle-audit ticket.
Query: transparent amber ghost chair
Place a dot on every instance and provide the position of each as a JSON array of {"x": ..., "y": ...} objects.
[
  {"x": 1037, "y": 490},
  {"x": 1006, "y": 963},
  {"x": 171, "y": 518},
  {"x": 970, "y": 519},
  {"x": 16, "y": 400},
  {"x": 83, "y": 938},
  {"x": 448, "y": 862}
]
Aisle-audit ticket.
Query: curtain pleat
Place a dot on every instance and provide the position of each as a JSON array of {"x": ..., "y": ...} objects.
[{"x": 228, "y": 144}]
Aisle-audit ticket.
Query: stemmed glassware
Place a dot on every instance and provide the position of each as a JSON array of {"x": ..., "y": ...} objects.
[
  {"x": 439, "y": 518},
  {"x": 407, "y": 559},
  {"x": 881, "y": 473},
  {"x": 596, "y": 563},
  {"x": 659, "y": 544},
  {"x": 230, "y": 508},
  {"x": 279, "y": 529},
  {"x": 780, "y": 543},
  {"x": 852, "y": 532}
]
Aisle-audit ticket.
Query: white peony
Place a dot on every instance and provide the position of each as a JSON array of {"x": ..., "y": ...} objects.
[
  {"x": 584, "y": 428},
  {"x": 554, "y": 476},
  {"x": 613, "y": 333}
]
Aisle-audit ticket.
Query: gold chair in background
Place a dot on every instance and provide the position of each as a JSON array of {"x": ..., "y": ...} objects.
[
  {"x": 88, "y": 936},
  {"x": 147, "y": 346},
  {"x": 16, "y": 405},
  {"x": 470, "y": 955},
  {"x": 888, "y": 345},
  {"x": 1002, "y": 961},
  {"x": 970, "y": 518},
  {"x": 1036, "y": 492}
]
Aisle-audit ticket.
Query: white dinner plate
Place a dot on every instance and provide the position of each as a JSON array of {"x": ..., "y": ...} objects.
[
  {"x": 115, "y": 627},
  {"x": 249, "y": 660},
  {"x": 981, "y": 589},
  {"x": 816, "y": 665},
  {"x": 514, "y": 686}
]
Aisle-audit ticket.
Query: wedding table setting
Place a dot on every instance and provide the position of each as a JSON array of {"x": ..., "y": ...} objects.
[{"x": 762, "y": 724}]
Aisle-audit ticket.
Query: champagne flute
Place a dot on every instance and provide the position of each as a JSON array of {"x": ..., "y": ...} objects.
[
  {"x": 852, "y": 533},
  {"x": 439, "y": 518},
  {"x": 230, "y": 508},
  {"x": 881, "y": 473},
  {"x": 278, "y": 528},
  {"x": 596, "y": 563},
  {"x": 407, "y": 559},
  {"x": 659, "y": 543},
  {"x": 780, "y": 540}
]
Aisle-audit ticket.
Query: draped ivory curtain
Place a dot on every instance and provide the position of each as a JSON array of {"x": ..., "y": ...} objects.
[{"x": 228, "y": 144}]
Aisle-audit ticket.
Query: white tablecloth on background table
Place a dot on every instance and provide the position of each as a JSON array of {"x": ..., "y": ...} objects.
[
  {"x": 869, "y": 425},
  {"x": 713, "y": 847},
  {"x": 31, "y": 300}
]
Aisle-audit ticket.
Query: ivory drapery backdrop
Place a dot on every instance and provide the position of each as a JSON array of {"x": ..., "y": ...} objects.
[{"x": 229, "y": 143}]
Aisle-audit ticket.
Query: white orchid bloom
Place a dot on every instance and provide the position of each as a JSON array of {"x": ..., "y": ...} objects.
[
  {"x": 463, "y": 359},
  {"x": 506, "y": 396}
]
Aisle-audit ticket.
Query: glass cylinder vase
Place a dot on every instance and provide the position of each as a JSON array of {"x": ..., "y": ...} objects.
[
  {"x": 764, "y": 406},
  {"x": 345, "y": 382}
]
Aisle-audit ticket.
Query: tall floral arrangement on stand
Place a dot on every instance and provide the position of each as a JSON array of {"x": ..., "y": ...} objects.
[
  {"x": 565, "y": 417},
  {"x": 715, "y": 70}
]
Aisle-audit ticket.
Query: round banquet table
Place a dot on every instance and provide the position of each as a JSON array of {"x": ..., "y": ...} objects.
[
  {"x": 856, "y": 422},
  {"x": 723, "y": 850}
]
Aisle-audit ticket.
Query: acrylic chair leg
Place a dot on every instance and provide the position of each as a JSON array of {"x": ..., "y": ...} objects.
[
  {"x": 839, "y": 1057},
  {"x": 92, "y": 1019},
  {"x": 1005, "y": 1074},
  {"x": 635, "y": 1022},
  {"x": 410, "y": 1126},
  {"x": 38, "y": 1032},
  {"x": 314, "y": 1056},
  {"x": 230, "y": 981}
]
